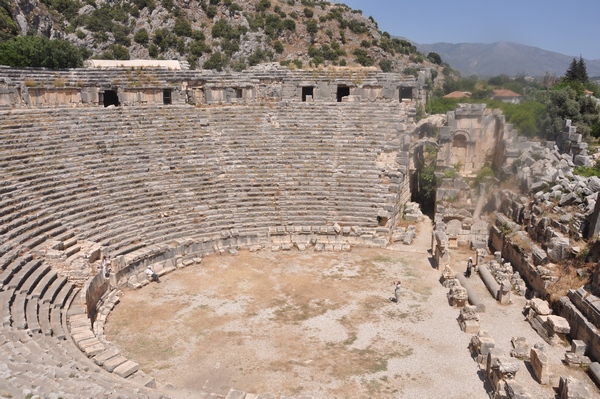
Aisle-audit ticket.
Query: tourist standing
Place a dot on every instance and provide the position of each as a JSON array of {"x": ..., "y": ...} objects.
[{"x": 469, "y": 267}]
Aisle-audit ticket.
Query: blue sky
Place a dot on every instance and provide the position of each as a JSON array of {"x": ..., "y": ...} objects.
[{"x": 567, "y": 27}]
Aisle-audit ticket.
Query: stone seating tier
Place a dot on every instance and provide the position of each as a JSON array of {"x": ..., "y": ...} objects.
[
  {"x": 137, "y": 179},
  {"x": 60, "y": 198}
]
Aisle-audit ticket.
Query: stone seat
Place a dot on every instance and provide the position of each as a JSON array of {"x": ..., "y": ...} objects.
[
  {"x": 53, "y": 290},
  {"x": 19, "y": 278},
  {"x": 43, "y": 285}
]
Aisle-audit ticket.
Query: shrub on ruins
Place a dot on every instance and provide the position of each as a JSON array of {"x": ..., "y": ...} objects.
[{"x": 40, "y": 51}]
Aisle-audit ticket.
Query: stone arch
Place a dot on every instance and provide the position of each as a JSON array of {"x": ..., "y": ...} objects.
[{"x": 459, "y": 149}]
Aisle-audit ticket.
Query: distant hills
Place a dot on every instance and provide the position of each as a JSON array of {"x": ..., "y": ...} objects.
[{"x": 512, "y": 59}]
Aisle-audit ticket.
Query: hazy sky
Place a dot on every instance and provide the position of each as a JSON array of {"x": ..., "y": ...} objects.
[{"x": 570, "y": 27}]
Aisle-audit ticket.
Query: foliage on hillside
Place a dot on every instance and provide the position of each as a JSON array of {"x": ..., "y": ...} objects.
[
  {"x": 545, "y": 104},
  {"x": 214, "y": 34}
]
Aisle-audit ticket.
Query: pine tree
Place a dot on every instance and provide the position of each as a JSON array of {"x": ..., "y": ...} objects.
[
  {"x": 583, "y": 76},
  {"x": 572, "y": 73},
  {"x": 577, "y": 71}
]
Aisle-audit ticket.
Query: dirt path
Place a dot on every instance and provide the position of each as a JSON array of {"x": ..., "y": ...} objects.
[{"x": 301, "y": 323}]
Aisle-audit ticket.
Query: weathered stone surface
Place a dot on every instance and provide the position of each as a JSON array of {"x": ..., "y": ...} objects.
[
  {"x": 571, "y": 388},
  {"x": 514, "y": 390},
  {"x": 540, "y": 306},
  {"x": 558, "y": 324},
  {"x": 540, "y": 365}
]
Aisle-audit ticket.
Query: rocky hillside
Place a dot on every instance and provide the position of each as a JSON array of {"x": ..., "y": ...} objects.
[{"x": 215, "y": 34}]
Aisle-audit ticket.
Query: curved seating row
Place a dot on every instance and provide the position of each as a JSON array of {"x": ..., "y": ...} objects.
[{"x": 134, "y": 180}]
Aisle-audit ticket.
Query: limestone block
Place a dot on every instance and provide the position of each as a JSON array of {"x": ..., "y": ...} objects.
[
  {"x": 114, "y": 362},
  {"x": 521, "y": 349},
  {"x": 508, "y": 367},
  {"x": 540, "y": 306},
  {"x": 126, "y": 369},
  {"x": 469, "y": 312},
  {"x": 559, "y": 325},
  {"x": 469, "y": 326},
  {"x": 540, "y": 365},
  {"x": 101, "y": 358},
  {"x": 482, "y": 344},
  {"x": 132, "y": 282},
  {"x": 558, "y": 248},
  {"x": 571, "y": 388},
  {"x": 234, "y": 394},
  {"x": 578, "y": 347},
  {"x": 514, "y": 390}
]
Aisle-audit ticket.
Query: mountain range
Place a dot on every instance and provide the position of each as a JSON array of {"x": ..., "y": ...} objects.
[{"x": 512, "y": 59}]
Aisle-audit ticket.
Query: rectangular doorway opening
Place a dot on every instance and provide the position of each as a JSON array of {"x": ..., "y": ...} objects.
[
  {"x": 239, "y": 93},
  {"x": 307, "y": 91},
  {"x": 406, "y": 93},
  {"x": 342, "y": 91},
  {"x": 108, "y": 98},
  {"x": 167, "y": 96}
]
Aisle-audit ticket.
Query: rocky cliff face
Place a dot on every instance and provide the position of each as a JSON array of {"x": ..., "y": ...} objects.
[{"x": 225, "y": 33}]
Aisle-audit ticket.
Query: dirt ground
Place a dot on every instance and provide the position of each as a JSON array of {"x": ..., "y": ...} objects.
[{"x": 304, "y": 323}]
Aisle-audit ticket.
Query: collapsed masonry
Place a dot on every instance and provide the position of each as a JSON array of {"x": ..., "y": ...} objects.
[{"x": 530, "y": 232}]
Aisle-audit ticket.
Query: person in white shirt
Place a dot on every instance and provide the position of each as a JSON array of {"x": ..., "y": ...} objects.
[{"x": 151, "y": 275}]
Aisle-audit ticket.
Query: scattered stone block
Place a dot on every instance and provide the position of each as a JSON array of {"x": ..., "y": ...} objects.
[
  {"x": 457, "y": 296},
  {"x": 514, "y": 390},
  {"x": 540, "y": 306},
  {"x": 578, "y": 347},
  {"x": 571, "y": 388},
  {"x": 481, "y": 345},
  {"x": 521, "y": 349},
  {"x": 539, "y": 364}
]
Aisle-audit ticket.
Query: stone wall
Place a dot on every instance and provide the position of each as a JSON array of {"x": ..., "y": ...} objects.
[
  {"x": 473, "y": 136},
  {"x": 34, "y": 87}
]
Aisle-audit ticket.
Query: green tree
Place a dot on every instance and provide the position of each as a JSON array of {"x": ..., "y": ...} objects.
[
  {"x": 182, "y": 27},
  {"x": 577, "y": 71},
  {"x": 362, "y": 57},
  {"x": 435, "y": 58},
  {"x": 312, "y": 27},
  {"x": 262, "y": 5},
  {"x": 386, "y": 65},
  {"x": 216, "y": 61},
  {"x": 141, "y": 36},
  {"x": 39, "y": 51},
  {"x": 8, "y": 27}
]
